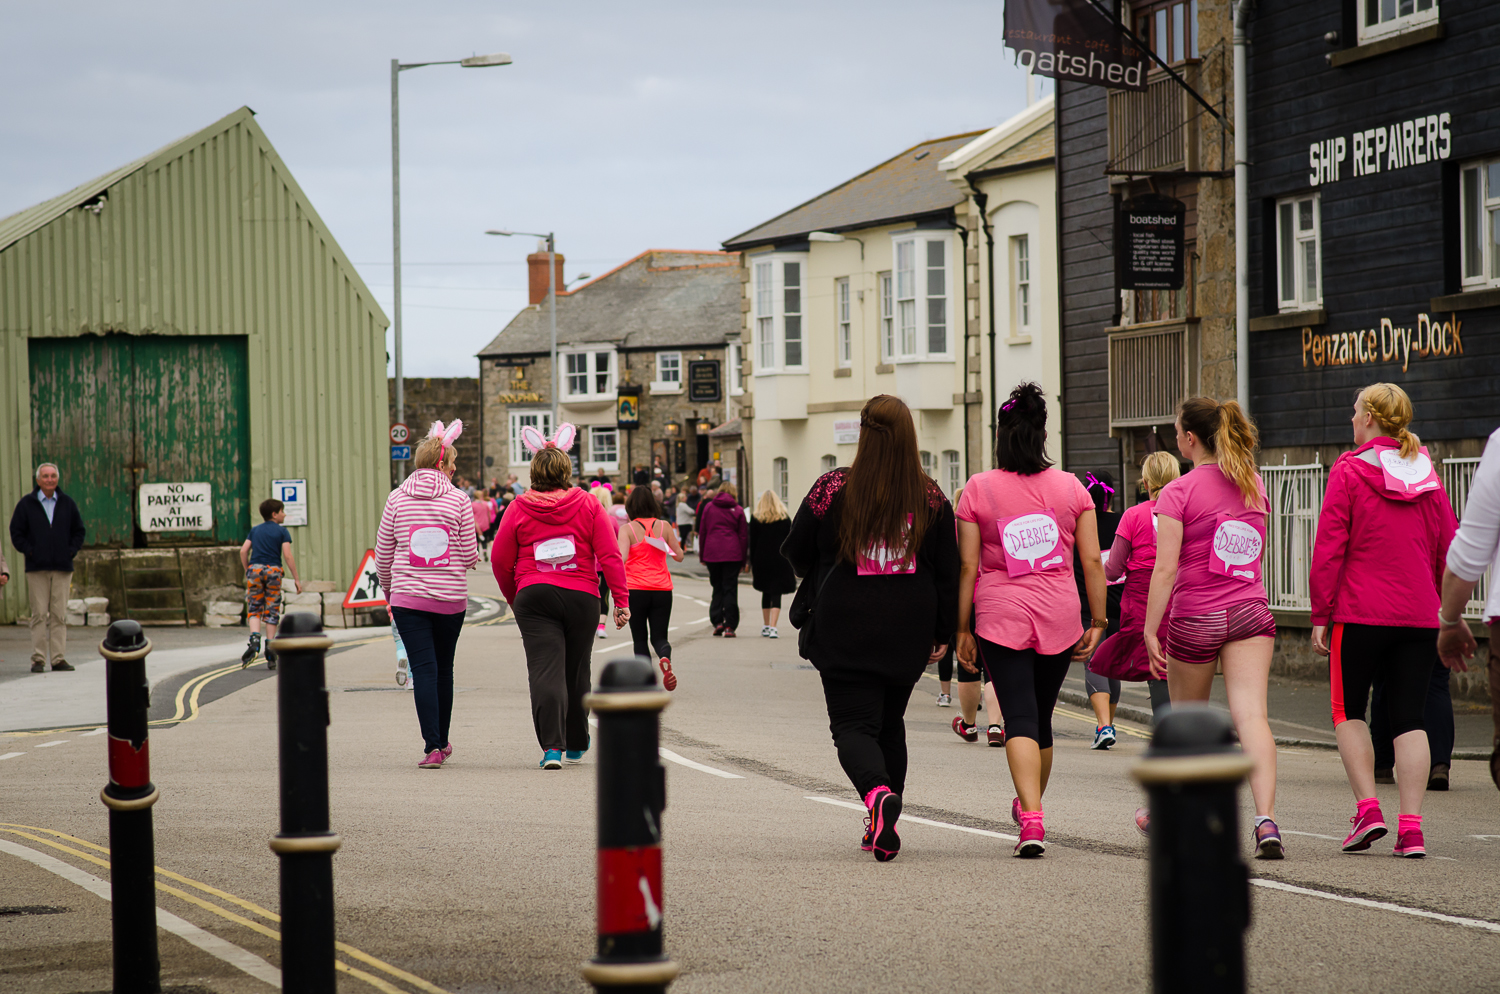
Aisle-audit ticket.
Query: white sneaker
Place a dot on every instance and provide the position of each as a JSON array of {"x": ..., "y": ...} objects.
[
  {"x": 765, "y": 631},
  {"x": 945, "y": 700},
  {"x": 602, "y": 633},
  {"x": 771, "y": 634}
]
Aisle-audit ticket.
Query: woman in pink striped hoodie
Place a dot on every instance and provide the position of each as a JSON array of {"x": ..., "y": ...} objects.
[{"x": 425, "y": 546}]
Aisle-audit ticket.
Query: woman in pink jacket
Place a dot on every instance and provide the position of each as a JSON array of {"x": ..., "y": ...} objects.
[
  {"x": 1376, "y": 575},
  {"x": 425, "y": 545},
  {"x": 544, "y": 559}
]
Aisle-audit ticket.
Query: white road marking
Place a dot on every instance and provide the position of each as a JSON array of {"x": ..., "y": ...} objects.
[
  {"x": 11, "y": 755},
  {"x": 1310, "y": 835},
  {"x": 206, "y": 941},
  {"x": 98, "y": 731},
  {"x": 54, "y": 742},
  {"x": 674, "y": 628},
  {"x": 699, "y": 621},
  {"x": 693, "y": 599},
  {"x": 1379, "y": 905},
  {"x": 672, "y": 757},
  {"x": 1485, "y": 838},
  {"x": 920, "y": 821}
]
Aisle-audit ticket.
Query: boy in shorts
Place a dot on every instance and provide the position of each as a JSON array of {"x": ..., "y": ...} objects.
[{"x": 261, "y": 556}]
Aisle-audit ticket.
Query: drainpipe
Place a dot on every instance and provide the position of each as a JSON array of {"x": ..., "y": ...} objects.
[
  {"x": 963, "y": 237},
  {"x": 980, "y": 200},
  {"x": 1241, "y": 212}
]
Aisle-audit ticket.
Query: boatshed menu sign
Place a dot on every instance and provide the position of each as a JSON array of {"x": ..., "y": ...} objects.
[
  {"x": 1073, "y": 39},
  {"x": 1150, "y": 248}
]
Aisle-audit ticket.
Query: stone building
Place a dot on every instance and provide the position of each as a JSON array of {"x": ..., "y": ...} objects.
[
  {"x": 443, "y": 398},
  {"x": 663, "y": 325}
]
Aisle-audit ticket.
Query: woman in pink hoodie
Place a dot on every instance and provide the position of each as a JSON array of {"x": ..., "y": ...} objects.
[
  {"x": 1377, "y": 571},
  {"x": 544, "y": 557},
  {"x": 425, "y": 546}
]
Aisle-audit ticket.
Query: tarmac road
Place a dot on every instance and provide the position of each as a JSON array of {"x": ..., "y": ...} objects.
[{"x": 479, "y": 877}]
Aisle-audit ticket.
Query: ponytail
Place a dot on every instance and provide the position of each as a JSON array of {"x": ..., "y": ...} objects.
[
  {"x": 1227, "y": 433},
  {"x": 1391, "y": 408}
]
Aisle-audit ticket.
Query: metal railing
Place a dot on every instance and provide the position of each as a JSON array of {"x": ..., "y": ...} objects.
[
  {"x": 1458, "y": 477},
  {"x": 1295, "y": 494},
  {"x": 1148, "y": 375},
  {"x": 1156, "y": 130}
]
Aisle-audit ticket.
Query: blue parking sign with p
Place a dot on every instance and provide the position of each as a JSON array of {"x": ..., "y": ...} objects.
[{"x": 293, "y": 496}]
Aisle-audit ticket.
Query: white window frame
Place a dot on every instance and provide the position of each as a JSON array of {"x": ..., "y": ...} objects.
[
  {"x": 1479, "y": 224},
  {"x": 1295, "y": 242},
  {"x": 953, "y": 470},
  {"x": 887, "y": 316},
  {"x": 596, "y": 465},
  {"x": 736, "y": 369},
  {"x": 542, "y": 420},
  {"x": 669, "y": 368},
  {"x": 828, "y": 463},
  {"x": 1023, "y": 305},
  {"x": 916, "y": 281},
  {"x": 1389, "y": 19},
  {"x": 780, "y": 333},
  {"x": 844, "y": 340},
  {"x": 929, "y": 464},
  {"x": 592, "y": 373},
  {"x": 780, "y": 478}
]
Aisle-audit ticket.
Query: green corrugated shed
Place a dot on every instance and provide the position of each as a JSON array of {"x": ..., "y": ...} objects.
[{"x": 208, "y": 239}]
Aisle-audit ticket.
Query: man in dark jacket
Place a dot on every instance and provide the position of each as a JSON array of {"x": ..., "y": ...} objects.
[{"x": 47, "y": 529}]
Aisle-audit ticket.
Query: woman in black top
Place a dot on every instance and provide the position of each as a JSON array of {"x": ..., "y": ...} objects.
[
  {"x": 876, "y": 546},
  {"x": 773, "y": 575},
  {"x": 1104, "y": 692}
]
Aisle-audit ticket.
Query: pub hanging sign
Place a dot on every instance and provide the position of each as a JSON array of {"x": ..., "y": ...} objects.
[
  {"x": 628, "y": 408},
  {"x": 1149, "y": 247}
]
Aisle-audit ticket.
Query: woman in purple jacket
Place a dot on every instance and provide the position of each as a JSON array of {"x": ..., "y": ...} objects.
[
  {"x": 1377, "y": 567},
  {"x": 723, "y": 544}
]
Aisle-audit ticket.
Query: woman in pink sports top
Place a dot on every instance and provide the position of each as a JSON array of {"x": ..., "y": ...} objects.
[
  {"x": 1017, "y": 526},
  {"x": 1210, "y": 539}
]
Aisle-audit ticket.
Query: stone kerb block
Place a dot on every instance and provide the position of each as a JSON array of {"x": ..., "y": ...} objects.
[
  {"x": 76, "y": 618},
  {"x": 77, "y": 606},
  {"x": 221, "y": 621},
  {"x": 97, "y": 619},
  {"x": 96, "y": 604},
  {"x": 231, "y": 609},
  {"x": 320, "y": 586},
  {"x": 307, "y": 597}
]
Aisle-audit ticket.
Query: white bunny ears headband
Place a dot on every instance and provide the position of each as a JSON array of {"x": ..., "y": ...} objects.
[
  {"x": 535, "y": 441},
  {"x": 445, "y": 436}
]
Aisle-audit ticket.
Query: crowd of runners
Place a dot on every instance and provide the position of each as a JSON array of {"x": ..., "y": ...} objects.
[{"x": 1026, "y": 572}]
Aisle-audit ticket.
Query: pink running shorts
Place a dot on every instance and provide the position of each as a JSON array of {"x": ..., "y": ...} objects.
[{"x": 1198, "y": 639}]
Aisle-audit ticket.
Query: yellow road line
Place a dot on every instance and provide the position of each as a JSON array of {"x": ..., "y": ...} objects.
[{"x": 250, "y": 906}]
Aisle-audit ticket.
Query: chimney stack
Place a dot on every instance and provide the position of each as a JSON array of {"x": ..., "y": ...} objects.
[{"x": 536, "y": 269}]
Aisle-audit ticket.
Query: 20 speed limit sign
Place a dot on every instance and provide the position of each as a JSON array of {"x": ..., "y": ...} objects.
[{"x": 399, "y": 434}]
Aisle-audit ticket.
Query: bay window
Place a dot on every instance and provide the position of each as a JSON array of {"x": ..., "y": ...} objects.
[
  {"x": 588, "y": 374},
  {"x": 778, "y": 297},
  {"x": 922, "y": 298}
]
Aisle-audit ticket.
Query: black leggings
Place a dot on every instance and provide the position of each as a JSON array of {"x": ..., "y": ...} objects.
[
  {"x": 557, "y": 632},
  {"x": 866, "y": 718},
  {"x": 653, "y": 609},
  {"x": 1026, "y": 683},
  {"x": 603, "y": 594},
  {"x": 724, "y": 603},
  {"x": 769, "y": 601},
  {"x": 1401, "y": 659}
]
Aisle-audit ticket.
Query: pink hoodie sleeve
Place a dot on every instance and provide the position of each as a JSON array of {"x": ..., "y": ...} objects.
[
  {"x": 468, "y": 537},
  {"x": 607, "y": 555},
  {"x": 385, "y": 543},
  {"x": 503, "y": 554},
  {"x": 1119, "y": 555},
  {"x": 1329, "y": 546}
]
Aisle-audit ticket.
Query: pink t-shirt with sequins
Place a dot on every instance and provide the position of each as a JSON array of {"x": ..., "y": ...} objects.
[
  {"x": 1025, "y": 596},
  {"x": 1223, "y": 542}
]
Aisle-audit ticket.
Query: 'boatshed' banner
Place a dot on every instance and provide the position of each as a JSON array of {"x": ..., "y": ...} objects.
[{"x": 1073, "y": 39}]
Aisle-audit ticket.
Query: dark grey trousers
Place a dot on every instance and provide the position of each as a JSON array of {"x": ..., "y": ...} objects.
[{"x": 558, "y": 628}]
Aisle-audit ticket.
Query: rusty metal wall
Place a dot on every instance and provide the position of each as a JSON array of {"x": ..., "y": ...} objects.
[{"x": 213, "y": 236}]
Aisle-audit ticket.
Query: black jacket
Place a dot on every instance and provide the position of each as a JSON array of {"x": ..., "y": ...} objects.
[
  {"x": 772, "y": 574},
  {"x": 47, "y": 546},
  {"x": 874, "y": 627}
]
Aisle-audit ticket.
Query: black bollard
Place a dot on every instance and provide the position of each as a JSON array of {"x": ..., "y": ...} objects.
[
  {"x": 1200, "y": 887},
  {"x": 129, "y": 796},
  {"x": 632, "y": 794},
  {"x": 304, "y": 844}
]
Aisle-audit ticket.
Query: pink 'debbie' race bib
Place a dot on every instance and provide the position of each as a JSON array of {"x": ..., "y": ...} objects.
[
  {"x": 1407, "y": 476},
  {"x": 878, "y": 560},
  {"x": 1031, "y": 542},
  {"x": 555, "y": 554},
  {"x": 1237, "y": 548},
  {"x": 428, "y": 545}
]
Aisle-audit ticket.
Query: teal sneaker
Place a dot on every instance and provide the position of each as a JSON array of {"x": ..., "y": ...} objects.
[{"x": 551, "y": 760}]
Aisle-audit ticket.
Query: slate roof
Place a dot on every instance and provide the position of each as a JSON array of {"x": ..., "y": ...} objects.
[
  {"x": 1037, "y": 146},
  {"x": 662, "y": 298},
  {"x": 905, "y": 186}
]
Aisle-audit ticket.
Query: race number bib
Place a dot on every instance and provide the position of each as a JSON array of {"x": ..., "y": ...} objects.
[
  {"x": 1407, "y": 475},
  {"x": 1236, "y": 550},
  {"x": 555, "y": 555},
  {"x": 1031, "y": 542},
  {"x": 428, "y": 546},
  {"x": 878, "y": 560}
]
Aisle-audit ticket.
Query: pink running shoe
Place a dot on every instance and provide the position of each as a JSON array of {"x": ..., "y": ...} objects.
[
  {"x": 1369, "y": 825},
  {"x": 885, "y": 808},
  {"x": 1268, "y": 841},
  {"x": 668, "y": 678},
  {"x": 1409, "y": 842},
  {"x": 865, "y": 843},
  {"x": 447, "y": 751},
  {"x": 1033, "y": 836},
  {"x": 1015, "y": 810},
  {"x": 1143, "y": 821},
  {"x": 433, "y": 760}
]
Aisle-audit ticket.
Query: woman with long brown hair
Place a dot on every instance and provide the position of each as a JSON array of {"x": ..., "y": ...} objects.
[
  {"x": 1210, "y": 538},
  {"x": 874, "y": 544}
]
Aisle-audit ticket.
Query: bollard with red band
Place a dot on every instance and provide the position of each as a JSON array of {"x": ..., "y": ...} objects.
[
  {"x": 129, "y": 796},
  {"x": 632, "y": 793}
]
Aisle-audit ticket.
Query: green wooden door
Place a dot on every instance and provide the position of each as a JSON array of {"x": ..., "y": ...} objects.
[{"x": 117, "y": 411}]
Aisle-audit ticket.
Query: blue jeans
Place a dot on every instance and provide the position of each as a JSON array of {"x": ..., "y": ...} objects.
[{"x": 430, "y": 641}]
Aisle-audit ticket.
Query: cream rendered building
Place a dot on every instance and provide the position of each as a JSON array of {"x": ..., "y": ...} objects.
[{"x": 879, "y": 286}]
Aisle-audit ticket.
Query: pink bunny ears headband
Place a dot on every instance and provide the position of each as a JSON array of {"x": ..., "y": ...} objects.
[
  {"x": 535, "y": 441},
  {"x": 445, "y": 437}
]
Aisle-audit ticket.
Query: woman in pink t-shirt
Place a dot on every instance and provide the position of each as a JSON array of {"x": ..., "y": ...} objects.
[
  {"x": 1016, "y": 531},
  {"x": 1211, "y": 535}
]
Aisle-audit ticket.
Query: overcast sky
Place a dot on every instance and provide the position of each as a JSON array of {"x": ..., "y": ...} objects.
[{"x": 620, "y": 126}]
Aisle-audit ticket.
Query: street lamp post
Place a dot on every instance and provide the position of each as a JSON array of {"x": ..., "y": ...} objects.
[
  {"x": 551, "y": 301},
  {"x": 473, "y": 62}
]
